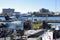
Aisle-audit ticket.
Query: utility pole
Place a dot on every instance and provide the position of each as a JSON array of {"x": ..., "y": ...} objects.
[{"x": 55, "y": 19}]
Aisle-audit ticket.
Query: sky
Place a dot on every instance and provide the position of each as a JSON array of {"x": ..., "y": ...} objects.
[{"x": 25, "y": 6}]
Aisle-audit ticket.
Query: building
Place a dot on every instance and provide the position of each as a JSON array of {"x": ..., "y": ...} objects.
[
  {"x": 17, "y": 14},
  {"x": 9, "y": 11}
]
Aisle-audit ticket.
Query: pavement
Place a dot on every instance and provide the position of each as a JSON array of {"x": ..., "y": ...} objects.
[
  {"x": 7, "y": 38},
  {"x": 32, "y": 35}
]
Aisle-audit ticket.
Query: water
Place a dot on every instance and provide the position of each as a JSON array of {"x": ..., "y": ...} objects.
[
  {"x": 13, "y": 25},
  {"x": 45, "y": 18},
  {"x": 42, "y": 18},
  {"x": 20, "y": 24}
]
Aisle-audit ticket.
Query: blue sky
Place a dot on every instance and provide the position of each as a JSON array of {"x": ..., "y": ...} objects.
[{"x": 30, "y": 5}]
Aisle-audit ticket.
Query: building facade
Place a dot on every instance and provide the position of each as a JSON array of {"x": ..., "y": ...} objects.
[{"x": 9, "y": 11}]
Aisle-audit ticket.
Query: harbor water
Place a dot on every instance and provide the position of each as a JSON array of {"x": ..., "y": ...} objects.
[{"x": 20, "y": 24}]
